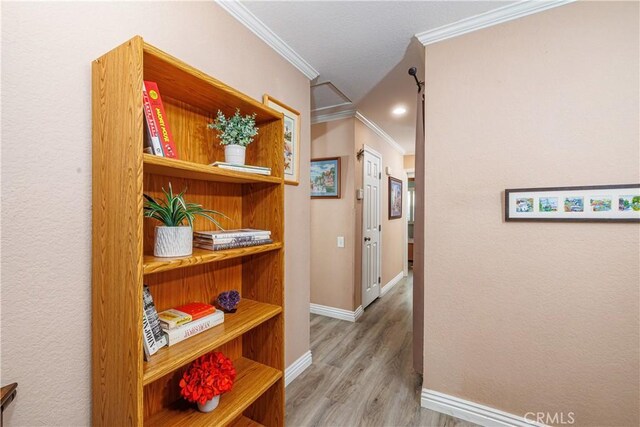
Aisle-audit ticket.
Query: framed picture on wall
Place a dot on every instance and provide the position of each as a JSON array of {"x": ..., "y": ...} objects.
[
  {"x": 325, "y": 178},
  {"x": 395, "y": 198},
  {"x": 608, "y": 203},
  {"x": 291, "y": 141}
]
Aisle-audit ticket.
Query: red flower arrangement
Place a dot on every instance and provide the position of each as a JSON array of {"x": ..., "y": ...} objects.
[{"x": 209, "y": 376}]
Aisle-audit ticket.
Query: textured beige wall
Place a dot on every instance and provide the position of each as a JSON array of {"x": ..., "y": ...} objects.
[
  {"x": 533, "y": 316},
  {"x": 47, "y": 49},
  {"x": 393, "y": 230},
  {"x": 332, "y": 268},
  {"x": 409, "y": 161}
]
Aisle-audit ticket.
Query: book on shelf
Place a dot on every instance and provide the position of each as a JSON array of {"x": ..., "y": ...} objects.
[
  {"x": 159, "y": 119},
  {"x": 228, "y": 240},
  {"x": 194, "y": 327},
  {"x": 174, "y": 317},
  {"x": 240, "y": 232},
  {"x": 152, "y": 140},
  {"x": 153, "y": 337},
  {"x": 224, "y": 246},
  {"x": 243, "y": 168}
]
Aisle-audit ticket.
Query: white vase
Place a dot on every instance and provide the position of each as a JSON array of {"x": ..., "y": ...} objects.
[
  {"x": 209, "y": 405},
  {"x": 173, "y": 241},
  {"x": 234, "y": 154}
]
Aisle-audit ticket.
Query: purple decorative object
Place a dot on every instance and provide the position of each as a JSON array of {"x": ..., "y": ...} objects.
[{"x": 228, "y": 301}]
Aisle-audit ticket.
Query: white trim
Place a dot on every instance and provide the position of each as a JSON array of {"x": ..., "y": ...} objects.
[
  {"x": 329, "y": 117},
  {"x": 471, "y": 411},
  {"x": 331, "y": 106},
  {"x": 259, "y": 28},
  {"x": 336, "y": 313},
  {"x": 297, "y": 367},
  {"x": 386, "y": 288},
  {"x": 488, "y": 19},
  {"x": 382, "y": 134}
]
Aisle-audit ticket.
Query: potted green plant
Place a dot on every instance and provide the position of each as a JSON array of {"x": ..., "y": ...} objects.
[
  {"x": 235, "y": 133},
  {"x": 173, "y": 238}
]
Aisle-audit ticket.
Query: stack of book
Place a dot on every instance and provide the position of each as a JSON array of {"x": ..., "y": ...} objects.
[
  {"x": 243, "y": 168},
  {"x": 153, "y": 337},
  {"x": 230, "y": 239},
  {"x": 188, "y": 320}
]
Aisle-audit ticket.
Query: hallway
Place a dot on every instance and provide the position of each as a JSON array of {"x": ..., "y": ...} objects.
[{"x": 361, "y": 373}]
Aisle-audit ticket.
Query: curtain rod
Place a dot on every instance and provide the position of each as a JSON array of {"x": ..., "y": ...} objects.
[{"x": 413, "y": 71}]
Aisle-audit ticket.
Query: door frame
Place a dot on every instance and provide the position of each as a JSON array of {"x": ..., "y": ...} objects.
[{"x": 370, "y": 150}]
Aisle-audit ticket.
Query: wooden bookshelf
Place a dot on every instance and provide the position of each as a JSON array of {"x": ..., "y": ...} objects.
[{"x": 126, "y": 389}]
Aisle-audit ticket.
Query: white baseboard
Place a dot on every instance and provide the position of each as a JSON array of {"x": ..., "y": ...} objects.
[
  {"x": 297, "y": 367},
  {"x": 386, "y": 288},
  {"x": 336, "y": 313},
  {"x": 471, "y": 411}
]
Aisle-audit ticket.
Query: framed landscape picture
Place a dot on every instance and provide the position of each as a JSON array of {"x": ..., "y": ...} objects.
[
  {"x": 395, "y": 198},
  {"x": 609, "y": 203},
  {"x": 325, "y": 178},
  {"x": 291, "y": 142}
]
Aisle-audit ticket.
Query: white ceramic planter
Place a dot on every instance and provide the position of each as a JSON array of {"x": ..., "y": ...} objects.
[
  {"x": 173, "y": 242},
  {"x": 210, "y": 405},
  {"x": 234, "y": 154}
]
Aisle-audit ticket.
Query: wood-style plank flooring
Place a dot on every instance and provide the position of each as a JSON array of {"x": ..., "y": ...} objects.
[{"x": 361, "y": 373}]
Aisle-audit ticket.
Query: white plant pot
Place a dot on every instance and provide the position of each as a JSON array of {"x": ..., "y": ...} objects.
[
  {"x": 173, "y": 241},
  {"x": 234, "y": 154},
  {"x": 210, "y": 405}
]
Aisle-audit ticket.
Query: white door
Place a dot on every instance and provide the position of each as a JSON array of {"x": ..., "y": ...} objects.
[{"x": 372, "y": 177}]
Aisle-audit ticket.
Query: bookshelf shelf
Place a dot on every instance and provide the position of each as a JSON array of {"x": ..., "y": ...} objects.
[
  {"x": 249, "y": 315},
  {"x": 126, "y": 390},
  {"x": 153, "y": 264},
  {"x": 252, "y": 381},
  {"x": 182, "y": 169}
]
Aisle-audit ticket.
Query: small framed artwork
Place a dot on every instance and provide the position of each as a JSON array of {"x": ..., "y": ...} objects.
[
  {"x": 291, "y": 142},
  {"x": 395, "y": 198},
  {"x": 609, "y": 203},
  {"x": 325, "y": 178}
]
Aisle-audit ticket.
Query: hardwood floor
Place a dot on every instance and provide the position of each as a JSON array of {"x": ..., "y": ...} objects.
[{"x": 361, "y": 373}]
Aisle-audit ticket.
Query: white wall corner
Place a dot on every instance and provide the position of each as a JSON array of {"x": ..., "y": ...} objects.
[
  {"x": 488, "y": 19},
  {"x": 471, "y": 411},
  {"x": 260, "y": 29},
  {"x": 387, "y": 287},
  {"x": 336, "y": 313},
  {"x": 382, "y": 134},
  {"x": 297, "y": 368}
]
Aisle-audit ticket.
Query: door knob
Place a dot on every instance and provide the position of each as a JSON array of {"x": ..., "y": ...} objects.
[{"x": 366, "y": 239}]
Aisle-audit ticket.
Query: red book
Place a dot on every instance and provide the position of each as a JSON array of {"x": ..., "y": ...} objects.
[
  {"x": 157, "y": 109},
  {"x": 197, "y": 309},
  {"x": 152, "y": 129}
]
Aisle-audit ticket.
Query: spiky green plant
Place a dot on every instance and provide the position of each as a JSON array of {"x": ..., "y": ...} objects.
[
  {"x": 236, "y": 130},
  {"x": 173, "y": 211}
]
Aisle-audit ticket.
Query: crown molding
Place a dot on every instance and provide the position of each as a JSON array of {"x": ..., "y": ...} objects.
[
  {"x": 382, "y": 134},
  {"x": 488, "y": 19},
  {"x": 249, "y": 20},
  {"x": 329, "y": 117}
]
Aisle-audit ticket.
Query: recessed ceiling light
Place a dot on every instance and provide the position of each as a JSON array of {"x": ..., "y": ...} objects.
[{"x": 398, "y": 111}]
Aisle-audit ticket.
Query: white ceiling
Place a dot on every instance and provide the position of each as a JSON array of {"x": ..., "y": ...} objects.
[{"x": 364, "y": 49}]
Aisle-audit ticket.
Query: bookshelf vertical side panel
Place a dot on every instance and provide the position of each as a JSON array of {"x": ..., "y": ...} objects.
[{"x": 117, "y": 236}]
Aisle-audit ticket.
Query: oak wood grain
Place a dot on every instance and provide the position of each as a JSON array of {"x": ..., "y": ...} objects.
[
  {"x": 252, "y": 381},
  {"x": 244, "y": 422},
  {"x": 201, "y": 256},
  {"x": 117, "y": 236},
  {"x": 184, "y": 169}
]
